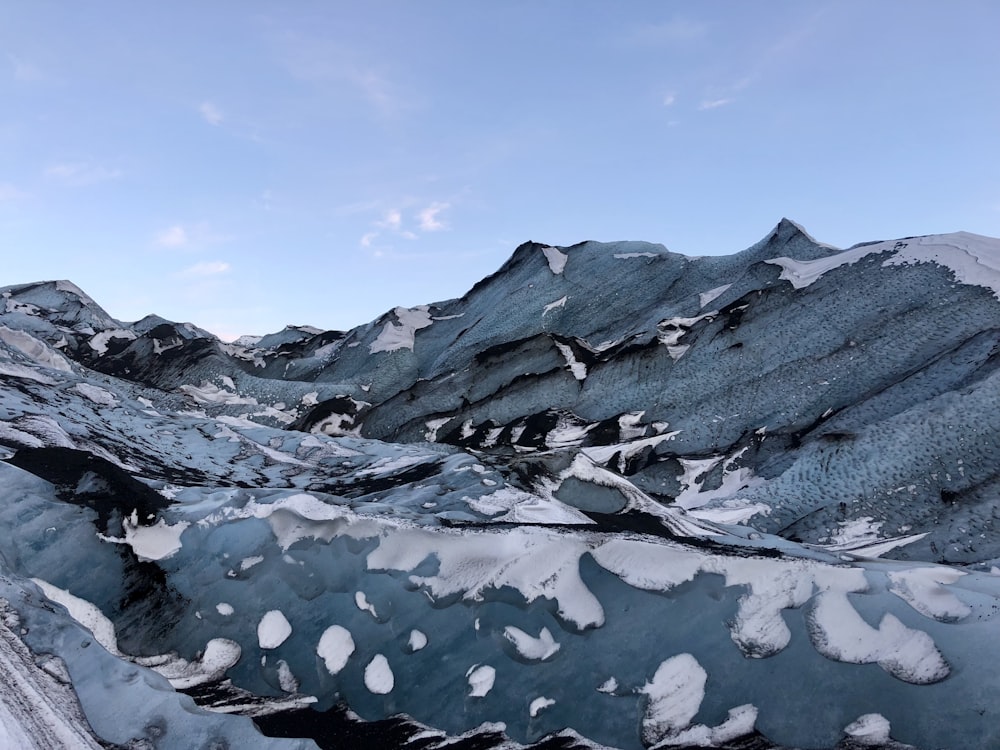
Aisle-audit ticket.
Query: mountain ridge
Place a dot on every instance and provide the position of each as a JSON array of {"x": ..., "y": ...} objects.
[{"x": 791, "y": 455}]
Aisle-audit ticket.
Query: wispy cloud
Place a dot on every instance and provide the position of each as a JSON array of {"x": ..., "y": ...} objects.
[
  {"x": 189, "y": 236},
  {"x": 81, "y": 173},
  {"x": 391, "y": 219},
  {"x": 9, "y": 192},
  {"x": 317, "y": 61},
  {"x": 707, "y": 104},
  {"x": 358, "y": 207},
  {"x": 175, "y": 236},
  {"x": 675, "y": 31},
  {"x": 204, "y": 269},
  {"x": 266, "y": 199},
  {"x": 669, "y": 100},
  {"x": 429, "y": 221},
  {"x": 24, "y": 71},
  {"x": 211, "y": 113},
  {"x": 402, "y": 221}
]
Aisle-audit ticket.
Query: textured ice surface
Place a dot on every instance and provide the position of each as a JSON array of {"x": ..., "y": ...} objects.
[{"x": 645, "y": 512}]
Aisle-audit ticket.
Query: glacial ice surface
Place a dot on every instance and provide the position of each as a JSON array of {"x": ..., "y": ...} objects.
[{"x": 712, "y": 502}]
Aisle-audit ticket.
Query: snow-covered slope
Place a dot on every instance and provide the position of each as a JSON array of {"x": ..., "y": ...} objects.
[{"x": 613, "y": 496}]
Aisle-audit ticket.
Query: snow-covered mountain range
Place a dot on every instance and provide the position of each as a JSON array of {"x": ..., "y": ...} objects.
[{"x": 612, "y": 497}]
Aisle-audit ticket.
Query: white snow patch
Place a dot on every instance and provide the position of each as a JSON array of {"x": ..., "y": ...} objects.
[
  {"x": 519, "y": 506},
  {"x": 924, "y": 590},
  {"x": 567, "y": 433},
  {"x": 286, "y": 680},
  {"x": 712, "y": 294},
  {"x": 481, "y": 680},
  {"x": 391, "y": 465},
  {"x": 99, "y": 342},
  {"x": 732, "y": 511},
  {"x": 860, "y": 537},
  {"x": 294, "y": 517},
  {"x": 248, "y": 562},
  {"x": 19, "y": 437},
  {"x": 739, "y": 723},
  {"x": 159, "y": 348},
  {"x": 273, "y": 629},
  {"x": 601, "y": 454},
  {"x": 24, "y": 373},
  {"x": 864, "y": 529},
  {"x": 224, "y": 608},
  {"x": 647, "y": 565},
  {"x": 630, "y": 425},
  {"x": 433, "y": 425},
  {"x": 840, "y": 633},
  {"x": 218, "y": 656},
  {"x": 35, "y": 349},
  {"x": 363, "y": 604},
  {"x": 972, "y": 258},
  {"x": 156, "y": 542},
  {"x": 535, "y": 561},
  {"x": 84, "y": 613},
  {"x": 401, "y": 336},
  {"x": 670, "y": 331},
  {"x": 335, "y": 647},
  {"x": 538, "y": 705},
  {"x": 802, "y": 273},
  {"x": 12, "y": 305},
  {"x": 733, "y": 480},
  {"x": 48, "y": 430},
  {"x": 378, "y": 676},
  {"x": 209, "y": 393},
  {"x": 417, "y": 640},
  {"x": 678, "y": 351},
  {"x": 311, "y": 398},
  {"x": 674, "y": 696},
  {"x": 561, "y": 302},
  {"x": 870, "y": 729},
  {"x": 626, "y": 256},
  {"x": 529, "y": 647},
  {"x": 609, "y": 686},
  {"x": 95, "y": 393},
  {"x": 579, "y": 369},
  {"x": 556, "y": 259}
]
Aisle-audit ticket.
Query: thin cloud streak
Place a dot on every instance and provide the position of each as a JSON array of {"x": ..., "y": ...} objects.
[
  {"x": 205, "y": 268},
  {"x": 190, "y": 236},
  {"x": 175, "y": 236},
  {"x": 318, "y": 61},
  {"x": 9, "y": 192},
  {"x": 211, "y": 113},
  {"x": 676, "y": 31},
  {"x": 428, "y": 217},
  {"x": 81, "y": 174},
  {"x": 714, "y": 104},
  {"x": 24, "y": 71}
]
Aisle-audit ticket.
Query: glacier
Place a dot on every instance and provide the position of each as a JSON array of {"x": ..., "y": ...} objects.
[{"x": 613, "y": 497}]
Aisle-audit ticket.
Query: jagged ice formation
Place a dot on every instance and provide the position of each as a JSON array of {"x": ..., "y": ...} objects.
[{"x": 613, "y": 496}]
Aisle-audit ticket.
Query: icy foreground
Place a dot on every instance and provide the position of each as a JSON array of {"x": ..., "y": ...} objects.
[{"x": 612, "y": 497}]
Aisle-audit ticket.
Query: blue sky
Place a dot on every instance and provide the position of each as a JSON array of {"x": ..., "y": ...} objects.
[{"x": 247, "y": 164}]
